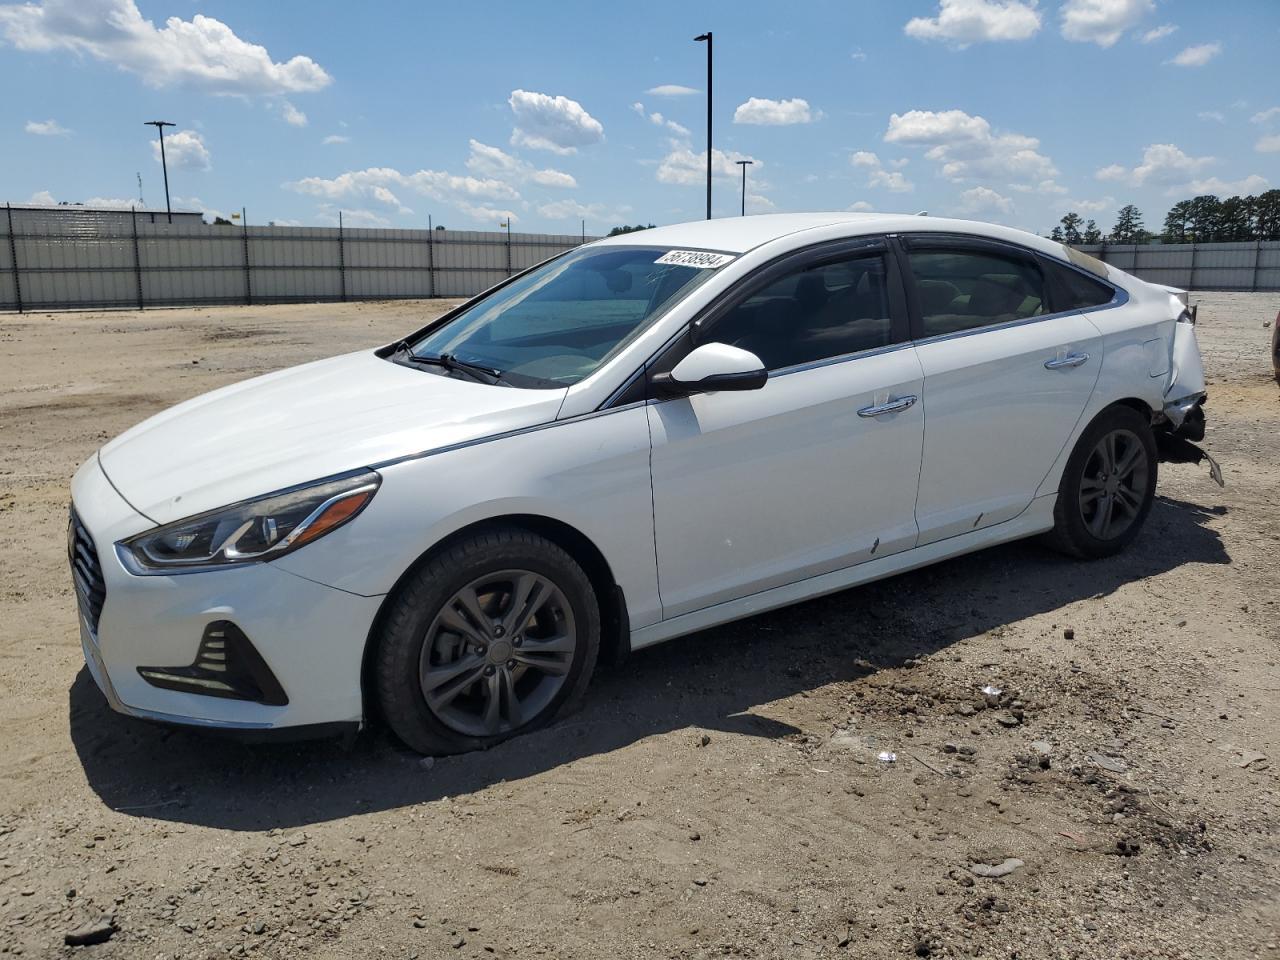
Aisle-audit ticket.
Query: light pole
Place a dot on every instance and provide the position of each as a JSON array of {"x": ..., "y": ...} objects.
[
  {"x": 160, "y": 125},
  {"x": 707, "y": 37},
  {"x": 744, "y": 164}
]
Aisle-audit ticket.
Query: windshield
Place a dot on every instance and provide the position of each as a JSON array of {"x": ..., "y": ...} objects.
[{"x": 559, "y": 322}]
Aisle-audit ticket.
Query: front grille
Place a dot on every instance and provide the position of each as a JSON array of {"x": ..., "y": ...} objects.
[{"x": 91, "y": 589}]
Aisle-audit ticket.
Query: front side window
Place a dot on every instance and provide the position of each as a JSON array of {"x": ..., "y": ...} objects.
[
  {"x": 812, "y": 314},
  {"x": 964, "y": 289},
  {"x": 559, "y": 322}
]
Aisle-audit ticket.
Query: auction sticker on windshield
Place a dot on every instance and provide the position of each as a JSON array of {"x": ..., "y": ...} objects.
[{"x": 695, "y": 258}]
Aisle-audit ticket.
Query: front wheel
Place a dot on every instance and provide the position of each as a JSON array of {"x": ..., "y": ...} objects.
[
  {"x": 1108, "y": 486},
  {"x": 493, "y": 636}
]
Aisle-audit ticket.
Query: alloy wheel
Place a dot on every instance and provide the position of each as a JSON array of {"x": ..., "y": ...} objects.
[
  {"x": 1113, "y": 486},
  {"x": 497, "y": 653}
]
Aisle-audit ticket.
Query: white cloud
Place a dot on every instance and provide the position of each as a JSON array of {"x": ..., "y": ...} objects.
[
  {"x": 962, "y": 22},
  {"x": 1102, "y": 21},
  {"x": 336, "y": 138},
  {"x": 573, "y": 210},
  {"x": 377, "y": 183},
  {"x": 1159, "y": 33},
  {"x": 491, "y": 215},
  {"x": 683, "y": 166},
  {"x": 1196, "y": 55},
  {"x": 759, "y": 203},
  {"x": 201, "y": 52},
  {"x": 46, "y": 128},
  {"x": 557, "y": 124},
  {"x": 497, "y": 163},
  {"x": 858, "y": 55},
  {"x": 1092, "y": 206},
  {"x": 658, "y": 120},
  {"x": 292, "y": 115},
  {"x": 877, "y": 176},
  {"x": 351, "y": 218},
  {"x": 966, "y": 148},
  {"x": 984, "y": 198},
  {"x": 1214, "y": 115},
  {"x": 184, "y": 150},
  {"x": 1269, "y": 144},
  {"x": 774, "y": 112},
  {"x": 671, "y": 90},
  {"x": 1227, "y": 188},
  {"x": 1163, "y": 164},
  {"x": 45, "y": 198},
  {"x": 1266, "y": 116},
  {"x": 861, "y": 206}
]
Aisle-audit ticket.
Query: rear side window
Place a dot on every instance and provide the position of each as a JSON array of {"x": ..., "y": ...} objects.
[
  {"x": 812, "y": 314},
  {"x": 964, "y": 289},
  {"x": 1073, "y": 290}
]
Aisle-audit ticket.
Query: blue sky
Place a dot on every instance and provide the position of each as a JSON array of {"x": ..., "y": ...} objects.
[{"x": 1006, "y": 110}]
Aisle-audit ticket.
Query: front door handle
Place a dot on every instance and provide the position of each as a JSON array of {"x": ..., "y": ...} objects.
[
  {"x": 1070, "y": 360},
  {"x": 892, "y": 406}
]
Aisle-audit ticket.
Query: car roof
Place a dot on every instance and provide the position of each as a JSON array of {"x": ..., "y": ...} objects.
[{"x": 740, "y": 234}]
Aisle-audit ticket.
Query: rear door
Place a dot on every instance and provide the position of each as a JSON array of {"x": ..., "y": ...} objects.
[
  {"x": 815, "y": 471},
  {"x": 1006, "y": 378}
]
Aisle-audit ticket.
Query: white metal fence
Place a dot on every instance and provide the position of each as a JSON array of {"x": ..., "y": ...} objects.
[
  {"x": 1248, "y": 265},
  {"x": 69, "y": 265},
  {"x": 132, "y": 262}
]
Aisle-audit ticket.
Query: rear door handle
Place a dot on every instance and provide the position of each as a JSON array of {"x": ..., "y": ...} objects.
[
  {"x": 893, "y": 406},
  {"x": 1070, "y": 360}
]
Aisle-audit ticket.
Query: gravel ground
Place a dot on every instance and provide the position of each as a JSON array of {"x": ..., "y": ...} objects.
[{"x": 721, "y": 795}]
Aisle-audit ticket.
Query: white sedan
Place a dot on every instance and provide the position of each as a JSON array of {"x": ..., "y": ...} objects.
[{"x": 640, "y": 438}]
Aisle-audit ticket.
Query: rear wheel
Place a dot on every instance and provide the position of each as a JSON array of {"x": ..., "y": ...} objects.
[
  {"x": 494, "y": 636},
  {"x": 1108, "y": 486}
]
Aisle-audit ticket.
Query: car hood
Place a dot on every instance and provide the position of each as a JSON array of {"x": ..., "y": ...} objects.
[{"x": 304, "y": 423}]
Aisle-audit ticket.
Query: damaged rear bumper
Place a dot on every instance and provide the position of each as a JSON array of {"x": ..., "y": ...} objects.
[{"x": 1179, "y": 430}]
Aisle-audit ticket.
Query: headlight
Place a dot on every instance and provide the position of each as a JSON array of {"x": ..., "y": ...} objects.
[{"x": 252, "y": 530}]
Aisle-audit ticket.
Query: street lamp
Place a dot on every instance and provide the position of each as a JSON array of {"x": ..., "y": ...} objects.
[
  {"x": 160, "y": 125},
  {"x": 744, "y": 164},
  {"x": 707, "y": 37}
]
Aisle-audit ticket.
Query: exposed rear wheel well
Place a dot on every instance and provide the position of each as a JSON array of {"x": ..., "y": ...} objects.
[
  {"x": 1140, "y": 406},
  {"x": 615, "y": 639}
]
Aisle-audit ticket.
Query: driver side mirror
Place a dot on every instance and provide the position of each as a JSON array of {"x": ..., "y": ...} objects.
[{"x": 710, "y": 368}]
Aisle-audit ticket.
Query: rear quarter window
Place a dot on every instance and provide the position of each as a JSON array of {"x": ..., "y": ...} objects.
[{"x": 1074, "y": 290}]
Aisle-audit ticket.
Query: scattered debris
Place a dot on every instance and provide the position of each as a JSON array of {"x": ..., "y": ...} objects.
[
  {"x": 99, "y": 932},
  {"x": 1109, "y": 763},
  {"x": 991, "y": 871},
  {"x": 887, "y": 756},
  {"x": 1250, "y": 757},
  {"x": 990, "y": 690}
]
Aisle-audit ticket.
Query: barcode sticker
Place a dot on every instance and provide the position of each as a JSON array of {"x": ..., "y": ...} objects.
[{"x": 695, "y": 258}]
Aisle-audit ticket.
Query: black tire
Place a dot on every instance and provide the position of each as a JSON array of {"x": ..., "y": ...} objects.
[
  {"x": 1079, "y": 529},
  {"x": 416, "y": 616}
]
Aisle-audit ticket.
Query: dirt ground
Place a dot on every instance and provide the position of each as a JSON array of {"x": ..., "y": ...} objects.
[{"x": 720, "y": 795}]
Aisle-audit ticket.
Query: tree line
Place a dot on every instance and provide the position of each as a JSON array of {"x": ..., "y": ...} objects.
[{"x": 1204, "y": 219}]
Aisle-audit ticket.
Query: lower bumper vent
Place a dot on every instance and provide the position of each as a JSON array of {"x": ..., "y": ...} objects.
[{"x": 226, "y": 665}]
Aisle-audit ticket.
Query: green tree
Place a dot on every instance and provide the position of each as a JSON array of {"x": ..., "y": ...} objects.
[
  {"x": 1071, "y": 228},
  {"x": 1238, "y": 219},
  {"x": 619, "y": 231},
  {"x": 1056, "y": 234},
  {"x": 1091, "y": 233},
  {"x": 1129, "y": 228},
  {"x": 1266, "y": 215},
  {"x": 1204, "y": 219},
  {"x": 1175, "y": 222}
]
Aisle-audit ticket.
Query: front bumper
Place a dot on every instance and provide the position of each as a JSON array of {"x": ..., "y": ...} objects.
[{"x": 310, "y": 636}]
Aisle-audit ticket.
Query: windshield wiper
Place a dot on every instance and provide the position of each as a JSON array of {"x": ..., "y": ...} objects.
[{"x": 450, "y": 362}]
